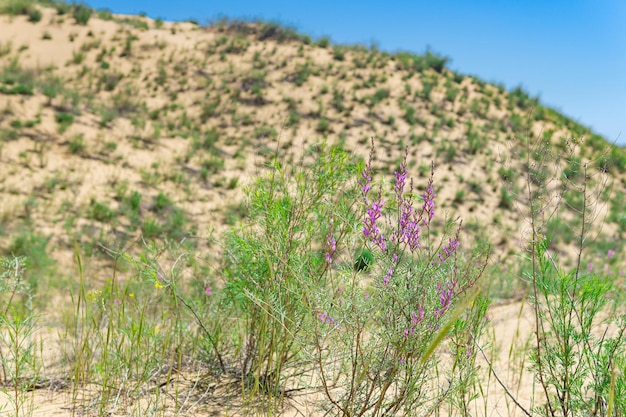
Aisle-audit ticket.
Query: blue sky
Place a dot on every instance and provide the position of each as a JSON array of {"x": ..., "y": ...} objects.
[{"x": 570, "y": 53}]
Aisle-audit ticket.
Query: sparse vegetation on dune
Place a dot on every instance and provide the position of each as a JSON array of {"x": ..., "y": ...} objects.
[{"x": 192, "y": 221}]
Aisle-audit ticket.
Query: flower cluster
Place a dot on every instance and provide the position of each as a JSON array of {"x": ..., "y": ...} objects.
[
  {"x": 429, "y": 201},
  {"x": 331, "y": 248},
  {"x": 366, "y": 183},
  {"x": 409, "y": 222},
  {"x": 449, "y": 249},
  {"x": 325, "y": 318},
  {"x": 371, "y": 230},
  {"x": 388, "y": 276},
  {"x": 374, "y": 211},
  {"x": 445, "y": 298},
  {"x": 416, "y": 318}
]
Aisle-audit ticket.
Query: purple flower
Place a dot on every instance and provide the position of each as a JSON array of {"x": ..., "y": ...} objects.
[
  {"x": 371, "y": 230},
  {"x": 429, "y": 202},
  {"x": 208, "y": 291},
  {"x": 331, "y": 247},
  {"x": 417, "y": 317},
  {"x": 409, "y": 227},
  {"x": 366, "y": 182},
  {"x": 610, "y": 254},
  {"x": 409, "y": 221},
  {"x": 445, "y": 298},
  {"x": 449, "y": 249},
  {"x": 388, "y": 276},
  {"x": 400, "y": 178},
  {"x": 325, "y": 318}
]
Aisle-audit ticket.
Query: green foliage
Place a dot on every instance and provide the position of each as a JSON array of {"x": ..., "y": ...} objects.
[
  {"x": 19, "y": 362},
  {"x": 209, "y": 109},
  {"x": 338, "y": 101},
  {"x": 17, "y": 7},
  {"x": 64, "y": 120},
  {"x": 211, "y": 166},
  {"x": 77, "y": 144},
  {"x": 34, "y": 248},
  {"x": 409, "y": 115},
  {"x": 380, "y": 95},
  {"x": 506, "y": 174},
  {"x": 269, "y": 264},
  {"x": 577, "y": 368},
  {"x": 34, "y": 15},
  {"x": 162, "y": 203},
  {"x": 81, "y": 14},
  {"x": 449, "y": 151},
  {"x": 339, "y": 53},
  {"x": 573, "y": 357},
  {"x": 100, "y": 211},
  {"x": 420, "y": 63},
  {"x": 612, "y": 161},
  {"x": 302, "y": 74},
  {"x": 323, "y": 125},
  {"x": 255, "y": 79},
  {"x": 16, "y": 80},
  {"x": 280, "y": 33},
  {"x": 110, "y": 79},
  {"x": 105, "y": 14},
  {"x": 363, "y": 260},
  {"x": 62, "y": 7},
  {"x": 13, "y": 287},
  {"x": 323, "y": 42},
  {"x": 506, "y": 199},
  {"x": 521, "y": 99},
  {"x": 293, "y": 118},
  {"x": 427, "y": 88},
  {"x": 452, "y": 93},
  {"x": 476, "y": 143}
]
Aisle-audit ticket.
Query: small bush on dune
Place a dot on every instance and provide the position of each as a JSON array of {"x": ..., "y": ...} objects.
[
  {"x": 311, "y": 299},
  {"x": 82, "y": 14}
]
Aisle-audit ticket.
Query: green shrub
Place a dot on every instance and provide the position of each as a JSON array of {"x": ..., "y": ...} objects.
[
  {"x": 323, "y": 125},
  {"x": 363, "y": 260},
  {"x": 34, "y": 15},
  {"x": 105, "y": 14},
  {"x": 16, "y": 7},
  {"x": 338, "y": 53},
  {"x": 34, "y": 248},
  {"x": 380, "y": 95},
  {"x": 62, "y": 7},
  {"x": 77, "y": 144},
  {"x": 506, "y": 199},
  {"x": 323, "y": 42},
  {"x": 81, "y": 14},
  {"x": 100, "y": 211},
  {"x": 64, "y": 120}
]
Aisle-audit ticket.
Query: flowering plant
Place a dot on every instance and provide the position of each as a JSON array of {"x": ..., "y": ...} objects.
[{"x": 384, "y": 323}]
